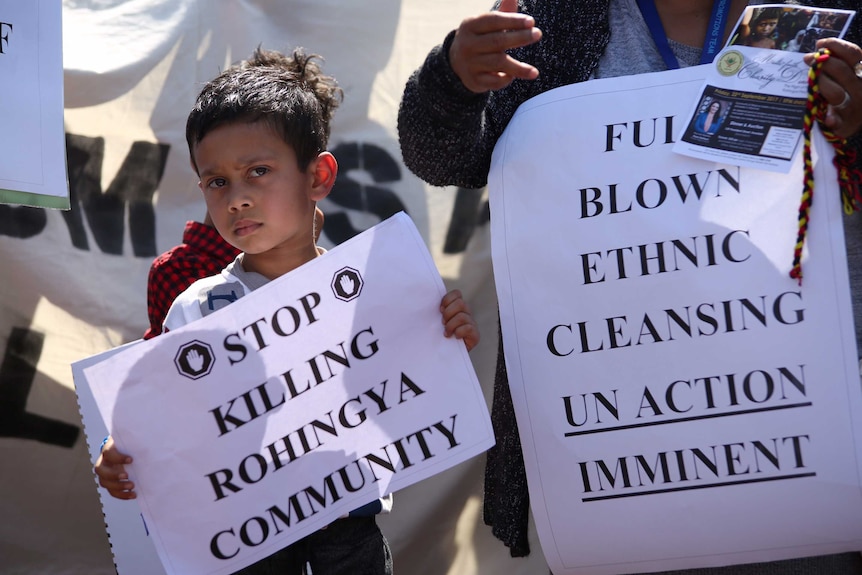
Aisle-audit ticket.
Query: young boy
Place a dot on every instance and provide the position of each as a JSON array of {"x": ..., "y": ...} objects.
[
  {"x": 257, "y": 136},
  {"x": 202, "y": 253}
]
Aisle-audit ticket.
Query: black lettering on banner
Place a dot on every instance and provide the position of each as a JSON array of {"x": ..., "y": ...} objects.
[
  {"x": 22, "y": 222},
  {"x": 133, "y": 187},
  {"x": 5, "y": 30},
  {"x": 352, "y": 194},
  {"x": 468, "y": 213},
  {"x": 142, "y": 172},
  {"x": 17, "y": 372}
]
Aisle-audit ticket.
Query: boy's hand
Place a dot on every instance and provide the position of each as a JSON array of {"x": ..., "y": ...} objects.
[
  {"x": 478, "y": 53},
  {"x": 458, "y": 320},
  {"x": 110, "y": 467}
]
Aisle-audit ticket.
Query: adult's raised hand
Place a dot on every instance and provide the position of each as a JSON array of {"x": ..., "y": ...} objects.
[{"x": 478, "y": 52}]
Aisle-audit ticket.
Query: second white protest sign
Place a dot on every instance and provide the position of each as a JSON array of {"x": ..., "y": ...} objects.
[{"x": 682, "y": 402}]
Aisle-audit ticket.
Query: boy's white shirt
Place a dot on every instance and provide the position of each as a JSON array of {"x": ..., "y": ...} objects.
[{"x": 188, "y": 306}]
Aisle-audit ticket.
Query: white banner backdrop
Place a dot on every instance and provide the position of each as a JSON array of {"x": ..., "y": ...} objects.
[{"x": 73, "y": 283}]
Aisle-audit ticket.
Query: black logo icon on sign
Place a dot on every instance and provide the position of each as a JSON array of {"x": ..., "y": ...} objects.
[
  {"x": 194, "y": 359},
  {"x": 346, "y": 284}
]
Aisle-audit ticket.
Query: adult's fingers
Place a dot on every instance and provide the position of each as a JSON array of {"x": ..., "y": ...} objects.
[
  {"x": 495, "y": 80},
  {"x": 841, "y": 87},
  {"x": 489, "y": 22},
  {"x": 846, "y": 51},
  {"x": 831, "y": 90},
  {"x": 478, "y": 54},
  {"x": 497, "y": 32}
]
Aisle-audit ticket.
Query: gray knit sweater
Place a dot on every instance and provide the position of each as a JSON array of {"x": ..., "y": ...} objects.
[{"x": 447, "y": 135}]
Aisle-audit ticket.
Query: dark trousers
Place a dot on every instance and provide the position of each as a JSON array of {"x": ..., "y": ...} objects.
[{"x": 349, "y": 546}]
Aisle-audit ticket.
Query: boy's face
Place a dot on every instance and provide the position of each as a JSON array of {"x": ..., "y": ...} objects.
[{"x": 258, "y": 198}]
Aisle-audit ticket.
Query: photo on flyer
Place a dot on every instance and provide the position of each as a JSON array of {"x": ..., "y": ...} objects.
[
  {"x": 788, "y": 28},
  {"x": 750, "y": 123}
]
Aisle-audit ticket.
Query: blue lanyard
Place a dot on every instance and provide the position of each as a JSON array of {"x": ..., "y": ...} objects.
[{"x": 714, "y": 31}]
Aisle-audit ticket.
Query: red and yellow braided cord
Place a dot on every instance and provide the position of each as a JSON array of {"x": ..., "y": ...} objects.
[{"x": 849, "y": 177}]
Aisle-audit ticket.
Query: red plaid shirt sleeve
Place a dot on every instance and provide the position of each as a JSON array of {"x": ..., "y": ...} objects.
[{"x": 203, "y": 253}]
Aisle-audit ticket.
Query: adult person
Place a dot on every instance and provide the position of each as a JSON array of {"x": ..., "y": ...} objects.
[{"x": 456, "y": 105}]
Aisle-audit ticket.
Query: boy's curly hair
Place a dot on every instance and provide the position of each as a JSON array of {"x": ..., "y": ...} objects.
[{"x": 289, "y": 93}]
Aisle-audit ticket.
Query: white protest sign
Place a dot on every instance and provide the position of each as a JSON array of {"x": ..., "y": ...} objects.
[
  {"x": 681, "y": 401},
  {"x": 274, "y": 416},
  {"x": 131, "y": 545},
  {"x": 33, "y": 143}
]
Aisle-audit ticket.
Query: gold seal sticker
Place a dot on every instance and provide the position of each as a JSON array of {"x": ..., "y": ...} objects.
[{"x": 729, "y": 63}]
